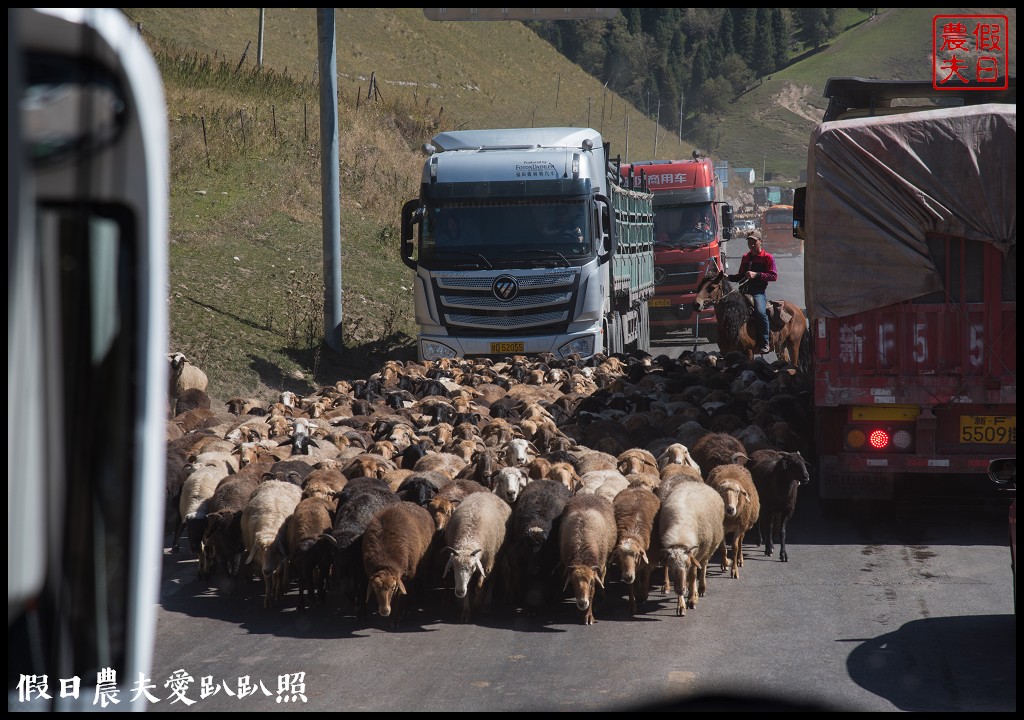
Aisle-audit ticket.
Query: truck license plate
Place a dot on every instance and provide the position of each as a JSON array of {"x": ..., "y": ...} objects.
[
  {"x": 659, "y": 302},
  {"x": 507, "y": 347},
  {"x": 989, "y": 429}
]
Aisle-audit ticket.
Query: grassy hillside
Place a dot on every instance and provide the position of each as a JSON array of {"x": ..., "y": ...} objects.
[{"x": 245, "y": 287}]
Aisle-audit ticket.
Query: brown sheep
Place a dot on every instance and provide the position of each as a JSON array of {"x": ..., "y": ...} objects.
[
  {"x": 636, "y": 515},
  {"x": 395, "y": 547},
  {"x": 565, "y": 473},
  {"x": 192, "y": 399},
  {"x": 636, "y": 460},
  {"x": 242, "y": 406},
  {"x": 586, "y": 540},
  {"x": 368, "y": 465},
  {"x": 307, "y": 551},
  {"x": 322, "y": 481},
  {"x": 444, "y": 462},
  {"x": 716, "y": 449},
  {"x": 742, "y": 509},
  {"x": 484, "y": 464},
  {"x": 449, "y": 497}
]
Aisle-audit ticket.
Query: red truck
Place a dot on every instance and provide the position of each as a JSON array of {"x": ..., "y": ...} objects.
[
  {"x": 691, "y": 222},
  {"x": 909, "y": 224}
]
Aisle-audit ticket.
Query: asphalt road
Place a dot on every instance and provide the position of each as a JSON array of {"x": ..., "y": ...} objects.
[{"x": 905, "y": 606}]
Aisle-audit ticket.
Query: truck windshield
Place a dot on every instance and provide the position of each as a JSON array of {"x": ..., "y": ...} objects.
[
  {"x": 687, "y": 226},
  {"x": 507, "y": 230}
]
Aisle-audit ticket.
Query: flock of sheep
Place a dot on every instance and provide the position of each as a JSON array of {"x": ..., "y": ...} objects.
[{"x": 512, "y": 483}]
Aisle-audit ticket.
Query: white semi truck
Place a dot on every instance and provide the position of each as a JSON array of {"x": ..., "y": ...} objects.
[{"x": 524, "y": 242}]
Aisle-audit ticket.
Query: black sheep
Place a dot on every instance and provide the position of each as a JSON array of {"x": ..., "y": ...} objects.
[
  {"x": 777, "y": 477},
  {"x": 533, "y": 543}
]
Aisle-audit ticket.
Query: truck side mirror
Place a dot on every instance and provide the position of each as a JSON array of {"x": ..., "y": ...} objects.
[
  {"x": 412, "y": 214},
  {"x": 799, "y": 212},
  {"x": 605, "y": 215},
  {"x": 727, "y": 222}
]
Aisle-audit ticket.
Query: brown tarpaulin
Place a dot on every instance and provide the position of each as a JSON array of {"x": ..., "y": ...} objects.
[{"x": 877, "y": 185}]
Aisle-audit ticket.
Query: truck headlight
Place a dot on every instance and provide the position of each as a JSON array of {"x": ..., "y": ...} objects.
[
  {"x": 431, "y": 350},
  {"x": 582, "y": 345}
]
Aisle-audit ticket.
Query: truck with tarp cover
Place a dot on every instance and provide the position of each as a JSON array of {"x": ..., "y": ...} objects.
[{"x": 910, "y": 226}]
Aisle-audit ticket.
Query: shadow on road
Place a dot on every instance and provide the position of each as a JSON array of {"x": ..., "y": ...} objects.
[{"x": 940, "y": 664}]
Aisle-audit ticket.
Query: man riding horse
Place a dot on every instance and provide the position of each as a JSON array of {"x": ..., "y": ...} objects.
[
  {"x": 757, "y": 268},
  {"x": 739, "y": 327}
]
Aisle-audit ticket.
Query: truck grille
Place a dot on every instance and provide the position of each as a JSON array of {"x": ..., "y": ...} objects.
[
  {"x": 543, "y": 303},
  {"x": 679, "y": 274}
]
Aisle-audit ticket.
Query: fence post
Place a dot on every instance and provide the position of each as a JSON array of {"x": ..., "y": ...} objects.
[
  {"x": 244, "y": 53},
  {"x": 206, "y": 145}
]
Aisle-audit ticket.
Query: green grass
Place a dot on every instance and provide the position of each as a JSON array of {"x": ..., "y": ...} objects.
[{"x": 245, "y": 161}]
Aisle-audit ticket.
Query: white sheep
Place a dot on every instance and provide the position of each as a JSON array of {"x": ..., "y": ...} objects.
[
  {"x": 271, "y": 503},
  {"x": 509, "y": 483},
  {"x": 607, "y": 483},
  {"x": 196, "y": 492},
  {"x": 691, "y": 527},
  {"x": 677, "y": 454},
  {"x": 518, "y": 452},
  {"x": 475, "y": 536},
  {"x": 183, "y": 376}
]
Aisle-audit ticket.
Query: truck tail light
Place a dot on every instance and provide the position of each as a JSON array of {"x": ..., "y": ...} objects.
[
  {"x": 902, "y": 439},
  {"x": 878, "y": 437}
]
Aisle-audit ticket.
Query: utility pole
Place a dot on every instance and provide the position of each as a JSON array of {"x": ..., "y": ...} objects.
[
  {"x": 259, "y": 42},
  {"x": 657, "y": 126},
  {"x": 680, "y": 118},
  {"x": 330, "y": 196}
]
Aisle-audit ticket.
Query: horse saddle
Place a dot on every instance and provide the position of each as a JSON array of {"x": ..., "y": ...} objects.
[{"x": 778, "y": 315}]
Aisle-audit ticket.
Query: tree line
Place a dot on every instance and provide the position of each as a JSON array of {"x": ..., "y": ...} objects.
[{"x": 677, "y": 63}]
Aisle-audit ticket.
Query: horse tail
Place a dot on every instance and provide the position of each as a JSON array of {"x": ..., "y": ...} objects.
[{"x": 806, "y": 364}]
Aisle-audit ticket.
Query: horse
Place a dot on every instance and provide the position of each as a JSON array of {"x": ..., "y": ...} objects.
[{"x": 737, "y": 326}]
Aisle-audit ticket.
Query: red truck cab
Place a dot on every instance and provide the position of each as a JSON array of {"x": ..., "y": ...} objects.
[{"x": 691, "y": 223}]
